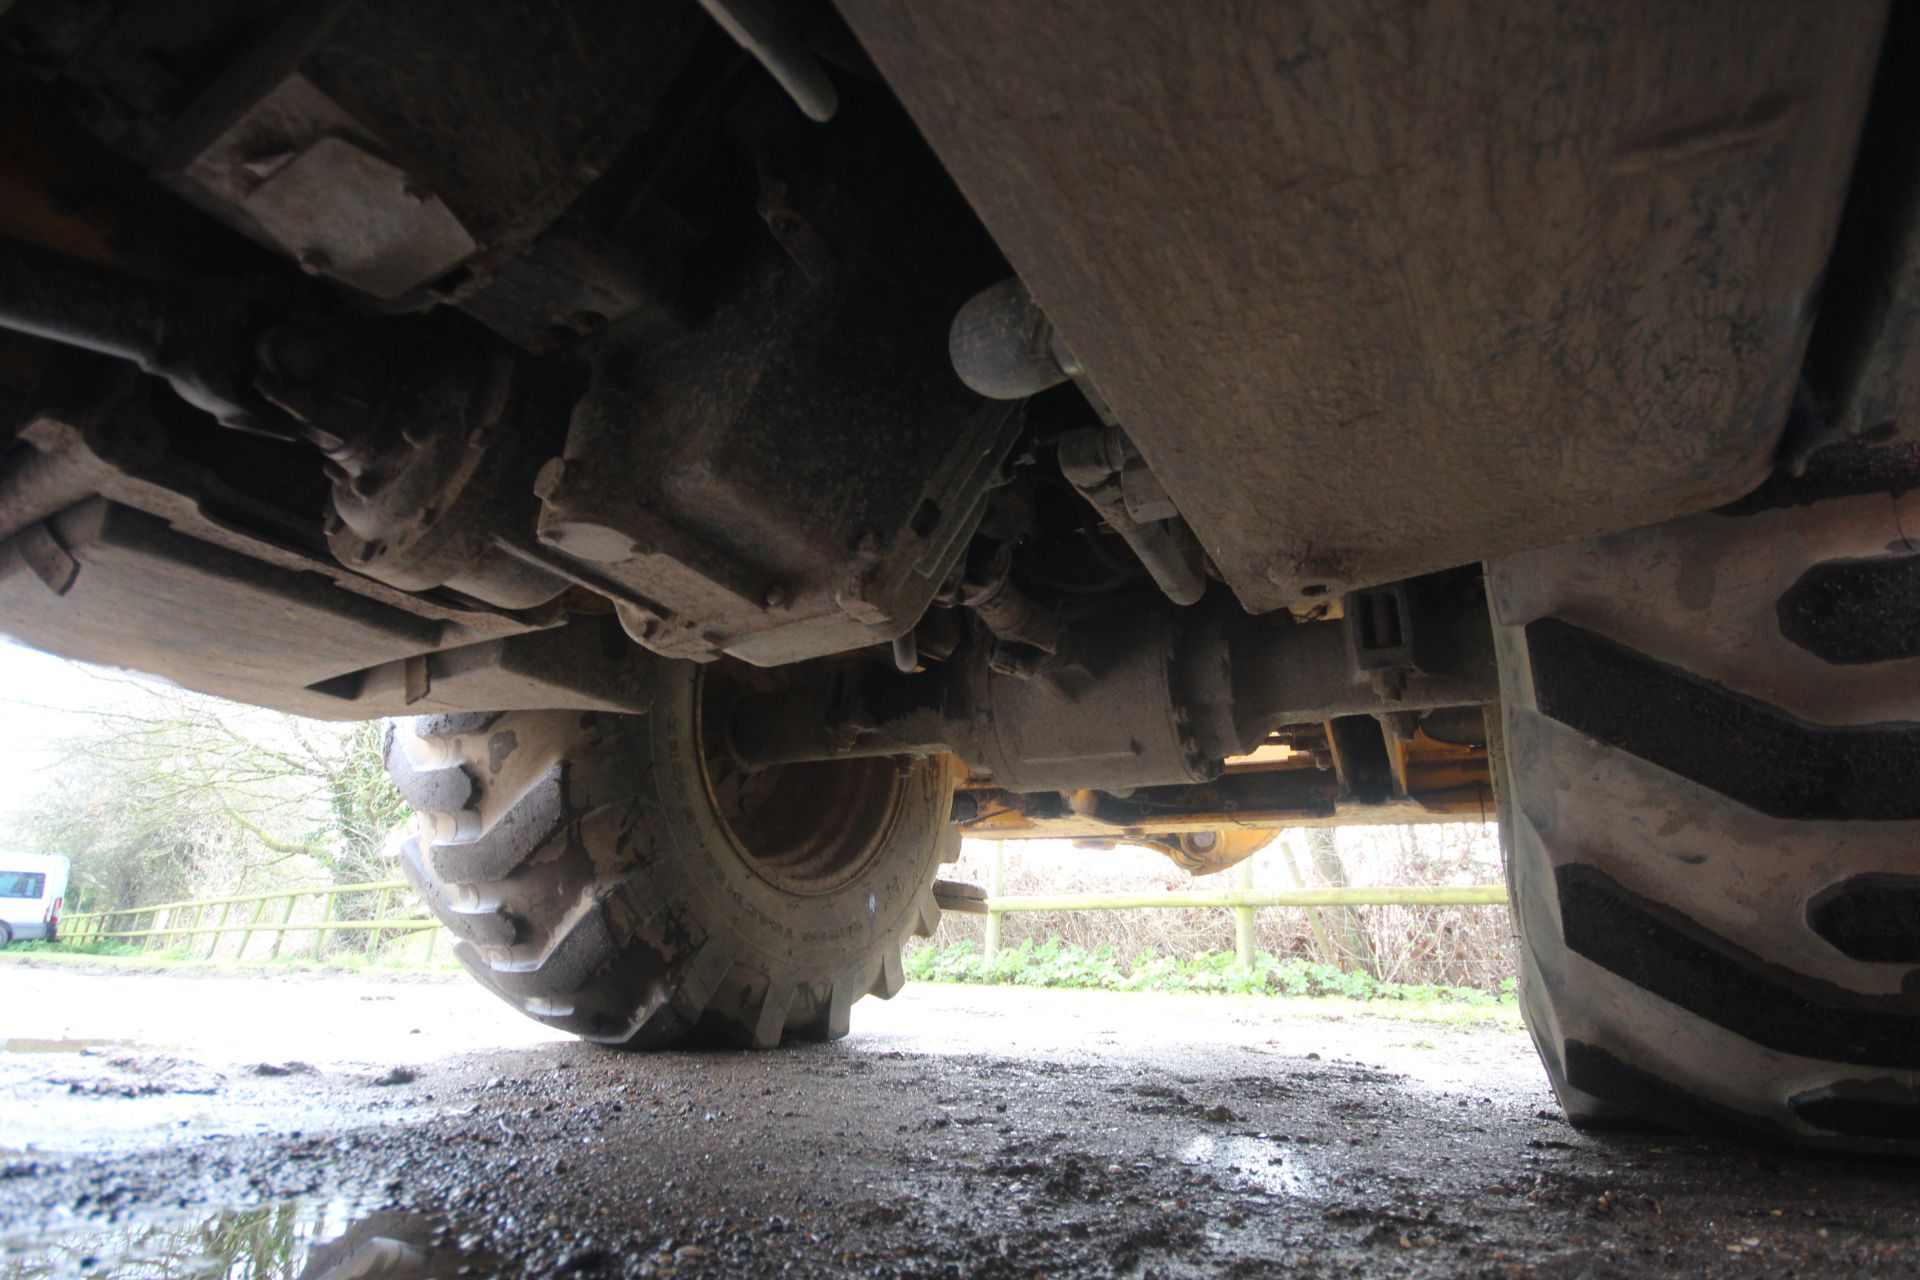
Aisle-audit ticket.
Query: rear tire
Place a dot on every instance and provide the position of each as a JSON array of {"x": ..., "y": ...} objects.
[
  {"x": 615, "y": 876},
  {"x": 1710, "y": 798}
]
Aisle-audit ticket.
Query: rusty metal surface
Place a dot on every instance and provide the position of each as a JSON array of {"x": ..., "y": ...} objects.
[
  {"x": 1299, "y": 802},
  {"x": 341, "y": 210},
  {"x": 1271, "y": 788},
  {"x": 107, "y": 584},
  {"x": 143, "y": 596},
  {"x": 1205, "y": 853},
  {"x": 1396, "y": 287},
  {"x": 76, "y": 445},
  {"x": 408, "y": 151},
  {"x": 1118, "y": 717},
  {"x": 65, "y": 191},
  {"x": 177, "y": 572},
  {"x": 1135, "y": 698},
  {"x": 795, "y": 474}
]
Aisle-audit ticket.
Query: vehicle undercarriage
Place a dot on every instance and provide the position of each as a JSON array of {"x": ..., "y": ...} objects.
[{"x": 759, "y": 443}]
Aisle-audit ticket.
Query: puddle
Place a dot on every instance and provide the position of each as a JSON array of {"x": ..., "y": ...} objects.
[
  {"x": 1258, "y": 1162},
  {"x": 106, "y": 1097},
  {"x": 21, "y": 1044},
  {"x": 292, "y": 1240}
]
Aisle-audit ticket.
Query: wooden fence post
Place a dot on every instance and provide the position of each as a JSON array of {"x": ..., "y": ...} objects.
[
  {"x": 1322, "y": 940},
  {"x": 320, "y": 934},
  {"x": 213, "y": 939},
  {"x": 259, "y": 909},
  {"x": 1243, "y": 918},
  {"x": 280, "y": 934},
  {"x": 994, "y": 884},
  {"x": 379, "y": 914}
]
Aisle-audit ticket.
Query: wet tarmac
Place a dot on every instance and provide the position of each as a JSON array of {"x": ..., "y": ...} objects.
[{"x": 306, "y": 1127}]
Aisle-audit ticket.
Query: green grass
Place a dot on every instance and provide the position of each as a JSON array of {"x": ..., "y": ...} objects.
[
  {"x": 343, "y": 961},
  {"x": 1063, "y": 964},
  {"x": 1046, "y": 964},
  {"x": 93, "y": 947}
]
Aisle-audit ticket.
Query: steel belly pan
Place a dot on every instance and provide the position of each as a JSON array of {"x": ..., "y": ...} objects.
[
  {"x": 104, "y": 583},
  {"x": 1380, "y": 289}
]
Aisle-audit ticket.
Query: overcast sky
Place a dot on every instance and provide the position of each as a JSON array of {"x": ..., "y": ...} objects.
[{"x": 44, "y": 699}]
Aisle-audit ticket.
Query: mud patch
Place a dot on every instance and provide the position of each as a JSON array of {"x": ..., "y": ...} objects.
[
  {"x": 902, "y": 1157},
  {"x": 1257, "y": 1161}
]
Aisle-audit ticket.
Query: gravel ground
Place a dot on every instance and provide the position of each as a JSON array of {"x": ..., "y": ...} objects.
[{"x": 150, "y": 1122}]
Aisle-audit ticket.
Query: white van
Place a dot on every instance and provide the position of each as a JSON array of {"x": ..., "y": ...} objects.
[{"x": 33, "y": 886}]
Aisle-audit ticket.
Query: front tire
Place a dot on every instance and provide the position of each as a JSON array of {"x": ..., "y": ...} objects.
[
  {"x": 618, "y": 877},
  {"x": 1710, "y": 798}
]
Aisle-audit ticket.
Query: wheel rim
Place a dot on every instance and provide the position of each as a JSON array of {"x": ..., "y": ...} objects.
[{"x": 808, "y": 828}]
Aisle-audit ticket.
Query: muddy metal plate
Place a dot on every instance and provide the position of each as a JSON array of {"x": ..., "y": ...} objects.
[{"x": 1384, "y": 288}]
